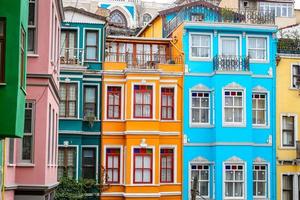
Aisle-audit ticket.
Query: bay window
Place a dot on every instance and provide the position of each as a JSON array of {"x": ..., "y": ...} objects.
[
  {"x": 91, "y": 45},
  {"x": 167, "y": 103},
  {"x": 234, "y": 106},
  {"x": 114, "y": 102},
  {"x": 200, "y": 46},
  {"x": 257, "y": 48},
  {"x": 200, "y": 172},
  {"x": 200, "y": 108},
  {"x": 166, "y": 165},
  {"x": 90, "y": 101},
  {"x": 69, "y": 49},
  {"x": 68, "y": 103},
  {"x": 260, "y": 177},
  {"x": 113, "y": 165},
  {"x": 259, "y": 109},
  {"x": 2, "y": 48},
  {"x": 288, "y": 131},
  {"x": 142, "y": 162},
  {"x": 234, "y": 181},
  {"x": 143, "y": 101}
]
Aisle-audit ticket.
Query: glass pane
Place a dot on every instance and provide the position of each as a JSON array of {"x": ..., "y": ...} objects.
[
  {"x": 204, "y": 102},
  {"x": 109, "y": 161},
  {"x": 196, "y": 102},
  {"x": 228, "y": 101},
  {"x": 204, "y": 175},
  {"x": 147, "y": 175},
  {"x": 238, "y": 101},
  {"x": 116, "y": 175},
  {"x": 229, "y": 47},
  {"x": 138, "y": 161},
  {"x": 91, "y": 38},
  {"x": 228, "y": 115},
  {"x": 229, "y": 175},
  {"x": 31, "y": 14},
  {"x": 147, "y": 162},
  {"x": 238, "y": 189},
  {"x": 138, "y": 175},
  {"x": 228, "y": 189},
  {"x": 204, "y": 188},
  {"x": 91, "y": 53},
  {"x": 90, "y": 96},
  {"x": 1, "y": 28},
  {"x": 239, "y": 175},
  {"x": 72, "y": 92},
  {"x": 195, "y": 115},
  {"x": 238, "y": 114},
  {"x": 261, "y": 189},
  {"x": 204, "y": 116},
  {"x": 27, "y": 148}
]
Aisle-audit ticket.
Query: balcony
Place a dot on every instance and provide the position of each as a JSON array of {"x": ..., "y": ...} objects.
[
  {"x": 288, "y": 46},
  {"x": 231, "y": 63},
  {"x": 141, "y": 61},
  {"x": 71, "y": 56},
  {"x": 206, "y": 12}
]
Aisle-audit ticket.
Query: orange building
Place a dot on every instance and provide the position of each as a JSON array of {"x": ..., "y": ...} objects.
[{"x": 142, "y": 119}]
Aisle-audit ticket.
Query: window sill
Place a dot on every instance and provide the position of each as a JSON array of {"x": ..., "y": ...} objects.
[
  {"x": 260, "y": 127},
  {"x": 25, "y": 165},
  {"x": 200, "y": 59},
  {"x": 234, "y": 125},
  {"x": 253, "y": 61},
  {"x": 113, "y": 120},
  {"x": 170, "y": 183},
  {"x": 32, "y": 55},
  {"x": 201, "y": 126},
  {"x": 11, "y": 165},
  {"x": 287, "y": 148},
  {"x": 170, "y": 121},
  {"x": 2, "y": 84},
  {"x": 296, "y": 89},
  {"x": 69, "y": 118}
]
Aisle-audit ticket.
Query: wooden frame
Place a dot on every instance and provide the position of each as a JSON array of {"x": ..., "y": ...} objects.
[
  {"x": 166, "y": 155},
  {"x": 113, "y": 155},
  {"x": 85, "y": 104},
  {"x": 143, "y": 89},
  {"x": 67, "y": 101},
  {"x": 116, "y": 90},
  {"x": 89, "y": 167},
  {"x": 168, "y": 92},
  {"x": 92, "y": 46}
]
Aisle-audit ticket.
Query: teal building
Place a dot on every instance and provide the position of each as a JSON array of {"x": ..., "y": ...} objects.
[{"x": 81, "y": 55}]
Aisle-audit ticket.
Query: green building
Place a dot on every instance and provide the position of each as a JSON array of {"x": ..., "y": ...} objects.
[{"x": 13, "y": 59}]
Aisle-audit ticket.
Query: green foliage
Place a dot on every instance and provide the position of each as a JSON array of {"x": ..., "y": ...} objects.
[{"x": 69, "y": 189}]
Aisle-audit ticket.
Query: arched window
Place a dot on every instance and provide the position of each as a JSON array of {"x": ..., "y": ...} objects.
[
  {"x": 118, "y": 18},
  {"x": 146, "y": 18}
]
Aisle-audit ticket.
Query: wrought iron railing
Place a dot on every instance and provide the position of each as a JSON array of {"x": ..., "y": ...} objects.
[
  {"x": 141, "y": 61},
  {"x": 289, "y": 46},
  {"x": 217, "y": 14},
  {"x": 71, "y": 56},
  {"x": 231, "y": 63}
]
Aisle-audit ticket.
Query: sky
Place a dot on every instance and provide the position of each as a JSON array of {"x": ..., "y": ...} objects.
[{"x": 297, "y": 2}]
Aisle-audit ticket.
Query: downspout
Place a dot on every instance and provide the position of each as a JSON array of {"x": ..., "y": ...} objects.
[{"x": 3, "y": 169}]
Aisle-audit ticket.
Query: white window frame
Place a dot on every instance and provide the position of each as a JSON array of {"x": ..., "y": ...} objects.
[
  {"x": 194, "y": 58},
  {"x": 235, "y": 38},
  {"x": 174, "y": 147},
  {"x": 295, "y": 193},
  {"x": 295, "y": 130},
  {"x": 292, "y": 74},
  {"x": 77, "y": 155},
  {"x": 21, "y": 161},
  {"x": 234, "y": 124},
  {"x": 122, "y": 101},
  {"x": 153, "y": 166},
  {"x": 267, "y": 55},
  {"x": 99, "y": 43},
  {"x": 267, "y": 189},
  {"x": 245, "y": 179},
  {"x": 194, "y": 124},
  {"x": 121, "y": 161},
  {"x": 35, "y": 27},
  {"x": 210, "y": 179},
  {"x": 267, "y": 104}
]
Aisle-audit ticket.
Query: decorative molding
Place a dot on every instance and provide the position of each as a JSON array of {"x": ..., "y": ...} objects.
[
  {"x": 259, "y": 89},
  {"x": 200, "y": 87},
  {"x": 199, "y": 160},
  {"x": 234, "y": 159},
  {"x": 233, "y": 85},
  {"x": 259, "y": 160}
]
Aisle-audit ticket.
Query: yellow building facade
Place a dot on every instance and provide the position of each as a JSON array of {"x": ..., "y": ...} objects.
[
  {"x": 142, "y": 119},
  {"x": 288, "y": 119}
]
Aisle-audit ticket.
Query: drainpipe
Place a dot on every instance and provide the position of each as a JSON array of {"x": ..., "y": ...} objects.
[{"x": 3, "y": 169}]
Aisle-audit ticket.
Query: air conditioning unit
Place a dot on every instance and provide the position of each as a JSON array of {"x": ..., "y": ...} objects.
[{"x": 298, "y": 150}]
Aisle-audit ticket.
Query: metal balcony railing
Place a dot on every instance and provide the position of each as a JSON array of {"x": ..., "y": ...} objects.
[
  {"x": 231, "y": 63},
  {"x": 288, "y": 46},
  {"x": 141, "y": 61},
  {"x": 72, "y": 56},
  {"x": 192, "y": 13}
]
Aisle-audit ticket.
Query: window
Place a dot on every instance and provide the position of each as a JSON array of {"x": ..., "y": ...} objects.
[
  {"x": 167, "y": 103},
  {"x": 88, "y": 163},
  {"x": 288, "y": 131},
  {"x": 49, "y": 134},
  {"x": 142, "y": 101},
  {"x": 200, "y": 46},
  {"x": 197, "y": 17},
  {"x": 296, "y": 76},
  {"x": 146, "y": 18},
  {"x": 257, "y": 48},
  {"x": 68, "y": 103},
  {"x": 66, "y": 162},
  {"x": 166, "y": 165},
  {"x": 11, "y": 152},
  {"x": 200, "y": 172},
  {"x": 259, "y": 108},
  {"x": 113, "y": 102},
  {"x": 287, "y": 187},
  {"x": 22, "y": 64},
  {"x": 118, "y": 18},
  {"x": 32, "y": 26},
  {"x": 200, "y": 107},
  {"x": 260, "y": 177},
  {"x": 234, "y": 106},
  {"x": 142, "y": 159},
  {"x": 280, "y": 9},
  {"x": 91, "y": 45},
  {"x": 229, "y": 46},
  {"x": 113, "y": 165},
  {"x": 69, "y": 49},
  {"x": 2, "y": 49},
  {"x": 234, "y": 181},
  {"x": 90, "y": 104},
  {"x": 28, "y": 138}
]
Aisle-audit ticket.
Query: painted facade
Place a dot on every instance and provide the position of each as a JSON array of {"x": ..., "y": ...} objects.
[
  {"x": 81, "y": 59},
  {"x": 31, "y": 162},
  {"x": 13, "y": 33},
  {"x": 287, "y": 115},
  {"x": 142, "y": 119}
]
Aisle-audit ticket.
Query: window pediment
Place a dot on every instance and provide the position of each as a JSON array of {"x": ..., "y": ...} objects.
[
  {"x": 200, "y": 87},
  {"x": 233, "y": 85}
]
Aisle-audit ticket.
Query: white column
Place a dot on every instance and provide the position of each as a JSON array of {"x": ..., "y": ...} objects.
[{"x": 295, "y": 187}]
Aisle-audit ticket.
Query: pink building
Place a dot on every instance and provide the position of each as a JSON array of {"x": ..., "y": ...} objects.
[{"x": 31, "y": 162}]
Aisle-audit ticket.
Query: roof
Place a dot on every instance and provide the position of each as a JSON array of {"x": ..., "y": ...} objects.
[
  {"x": 84, "y": 12},
  {"x": 146, "y": 26}
]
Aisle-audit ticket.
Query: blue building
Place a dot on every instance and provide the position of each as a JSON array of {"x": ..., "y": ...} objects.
[
  {"x": 81, "y": 57},
  {"x": 229, "y": 100}
]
